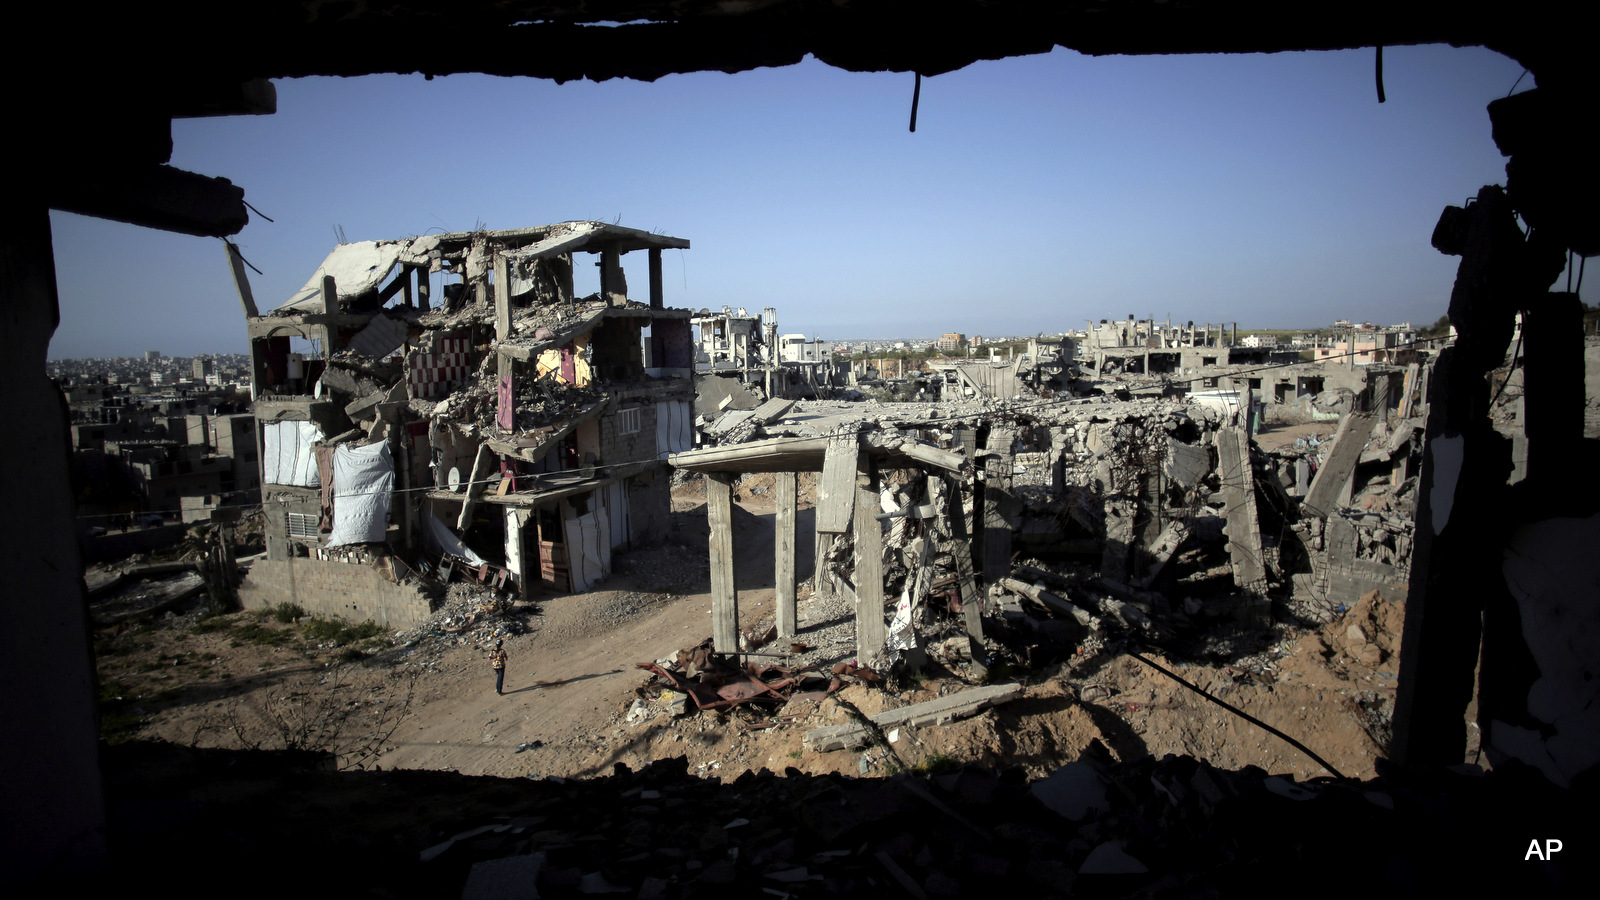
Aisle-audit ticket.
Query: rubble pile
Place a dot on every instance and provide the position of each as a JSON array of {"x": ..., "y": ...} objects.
[
  {"x": 470, "y": 613},
  {"x": 550, "y": 400}
]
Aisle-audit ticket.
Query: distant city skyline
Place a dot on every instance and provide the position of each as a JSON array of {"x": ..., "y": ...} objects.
[
  {"x": 988, "y": 338},
  {"x": 1037, "y": 192}
]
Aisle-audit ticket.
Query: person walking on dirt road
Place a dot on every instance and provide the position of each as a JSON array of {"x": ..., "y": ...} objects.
[{"x": 497, "y": 661}]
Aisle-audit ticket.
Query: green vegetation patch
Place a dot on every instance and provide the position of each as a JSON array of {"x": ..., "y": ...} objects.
[
  {"x": 340, "y": 633},
  {"x": 211, "y": 625},
  {"x": 935, "y": 763},
  {"x": 255, "y": 633},
  {"x": 287, "y": 613}
]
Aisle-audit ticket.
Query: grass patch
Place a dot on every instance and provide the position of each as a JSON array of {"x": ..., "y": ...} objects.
[
  {"x": 286, "y": 613},
  {"x": 935, "y": 763},
  {"x": 254, "y": 633},
  {"x": 210, "y": 625},
  {"x": 340, "y": 633}
]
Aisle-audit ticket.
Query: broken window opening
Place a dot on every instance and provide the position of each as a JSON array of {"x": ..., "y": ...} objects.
[
  {"x": 628, "y": 421},
  {"x": 616, "y": 353},
  {"x": 586, "y": 279}
]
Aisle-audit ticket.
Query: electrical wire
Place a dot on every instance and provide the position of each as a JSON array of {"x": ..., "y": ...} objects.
[
  {"x": 1243, "y": 715},
  {"x": 1515, "y": 351}
]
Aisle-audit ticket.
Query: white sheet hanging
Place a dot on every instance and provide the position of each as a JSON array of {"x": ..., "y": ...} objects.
[
  {"x": 588, "y": 547},
  {"x": 288, "y": 453},
  {"x": 363, "y": 478},
  {"x": 442, "y": 540},
  {"x": 674, "y": 427},
  {"x": 515, "y": 520}
]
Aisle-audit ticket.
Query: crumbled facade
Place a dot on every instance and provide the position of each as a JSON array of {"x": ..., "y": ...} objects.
[{"x": 506, "y": 429}]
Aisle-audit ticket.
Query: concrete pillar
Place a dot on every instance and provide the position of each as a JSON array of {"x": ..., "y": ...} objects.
[
  {"x": 613, "y": 283},
  {"x": 330, "y": 305},
  {"x": 872, "y": 630},
  {"x": 784, "y": 548},
  {"x": 502, "y": 297},
  {"x": 657, "y": 295},
  {"x": 997, "y": 494},
  {"x": 724, "y": 598},
  {"x": 54, "y": 814}
]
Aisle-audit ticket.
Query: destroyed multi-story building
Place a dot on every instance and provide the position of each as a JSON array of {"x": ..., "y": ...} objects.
[
  {"x": 505, "y": 428},
  {"x": 740, "y": 361},
  {"x": 1046, "y": 367},
  {"x": 735, "y": 341}
]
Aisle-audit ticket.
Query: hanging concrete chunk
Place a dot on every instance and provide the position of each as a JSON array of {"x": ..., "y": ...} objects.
[
  {"x": 1331, "y": 479},
  {"x": 1186, "y": 463},
  {"x": 1167, "y": 544}
]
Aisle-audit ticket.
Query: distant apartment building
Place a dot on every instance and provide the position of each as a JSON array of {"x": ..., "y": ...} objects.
[
  {"x": 1259, "y": 341},
  {"x": 795, "y": 348},
  {"x": 1366, "y": 348},
  {"x": 951, "y": 341}
]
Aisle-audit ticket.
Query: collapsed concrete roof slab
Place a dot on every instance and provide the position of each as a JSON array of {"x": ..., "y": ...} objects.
[
  {"x": 567, "y": 237},
  {"x": 356, "y": 269}
]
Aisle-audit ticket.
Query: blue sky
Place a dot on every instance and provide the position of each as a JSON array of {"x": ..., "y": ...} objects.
[{"x": 1037, "y": 192}]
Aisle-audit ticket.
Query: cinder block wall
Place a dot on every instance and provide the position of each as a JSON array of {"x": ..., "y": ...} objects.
[
  {"x": 625, "y": 448},
  {"x": 334, "y": 590}
]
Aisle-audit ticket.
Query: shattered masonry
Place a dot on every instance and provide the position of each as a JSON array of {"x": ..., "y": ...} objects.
[{"x": 1119, "y": 489}]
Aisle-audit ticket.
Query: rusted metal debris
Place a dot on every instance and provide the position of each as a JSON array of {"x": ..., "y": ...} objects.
[{"x": 719, "y": 681}]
